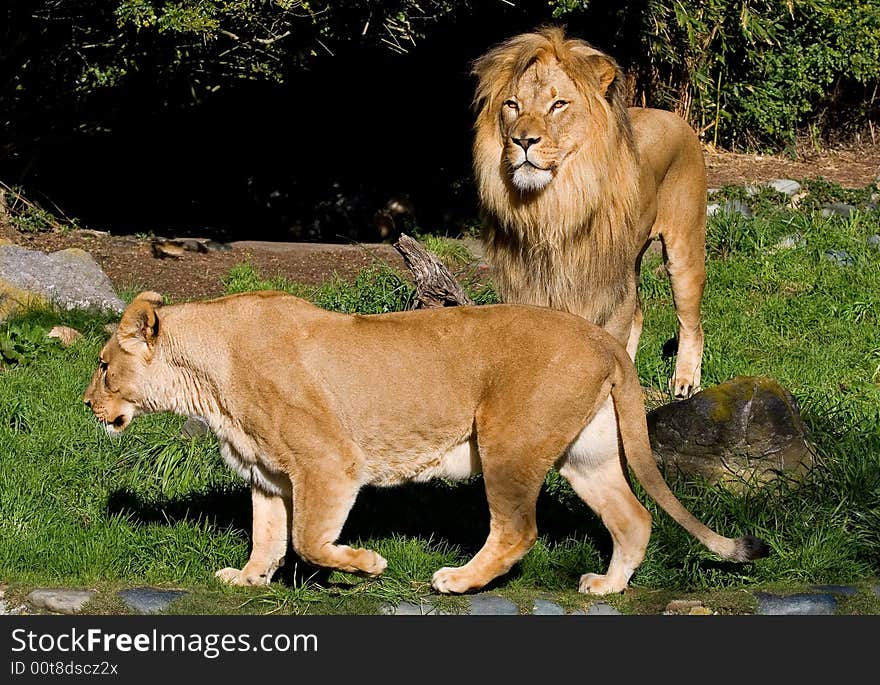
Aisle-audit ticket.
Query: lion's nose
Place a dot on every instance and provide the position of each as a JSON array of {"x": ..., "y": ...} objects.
[
  {"x": 87, "y": 402},
  {"x": 525, "y": 142}
]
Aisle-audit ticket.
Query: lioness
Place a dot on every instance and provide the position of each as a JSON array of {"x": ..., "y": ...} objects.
[
  {"x": 573, "y": 186},
  {"x": 291, "y": 392}
]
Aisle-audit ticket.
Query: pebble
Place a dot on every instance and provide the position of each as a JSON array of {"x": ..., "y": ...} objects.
[
  {"x": 602, "y": 609},
  {"x": 61, "y": 601},
  {"x": 543, "y": 607},
  {"x": 194, "y": 427},
  {"x": 838, "y": 209},
  {"x": 147, "y": 600},
  {"x": 791, "y": 242},
  {"x": 785, "y": 186},
  {"x": 874, "y": 241},
  {"x": 841, "y": 257},
  {"x": 492, "y": 605},
  {"x": 802, "y": 604},
  {"x": 738, "y": 207}
]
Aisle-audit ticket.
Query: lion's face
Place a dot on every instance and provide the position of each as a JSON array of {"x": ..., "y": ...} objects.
[
  {"x": 116, "y": 390},
  {"x": 538, "y": 125},
  {"x": 543, "y": 120}
]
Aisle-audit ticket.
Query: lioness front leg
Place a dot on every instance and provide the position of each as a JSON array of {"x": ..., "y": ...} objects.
[
  {"x": 271, "y": 533},
  {"x": 321, "y": 502}
]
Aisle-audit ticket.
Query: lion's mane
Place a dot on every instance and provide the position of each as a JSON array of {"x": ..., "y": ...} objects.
[{"x": 572, "y": 245}]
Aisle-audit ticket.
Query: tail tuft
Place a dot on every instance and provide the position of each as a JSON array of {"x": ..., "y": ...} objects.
[{"x": 748, "y": 547}]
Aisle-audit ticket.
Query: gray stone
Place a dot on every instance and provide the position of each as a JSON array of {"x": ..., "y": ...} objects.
[
  {"x": 194, "y": 427},
  {"x": 69, "y": 279},
  {"x": 752, "y": 190},
  {"x": 876, "y": 590},
  {"x": 839, "y": 257},
  {"x": 492, "y": 605},
  {"x": 602, "y": 609},
  {"x": 711, "y": 191},
  {"x": 785, "y": 186},
  {"x": 712, "y": 209},
  {"x": 61, "y": 601},
  {"x": 796, "y": 605},
  {"x": 738, "y": 207},
  {"x": 744, "y": 431},
  {"x": 838, "y": 209},
  {"x": 411, "y": 609},
  {"x": 147, "y": 600},
  {"x": 791, "y": 242},
  {"x": 544, "y": 607},
  {"x": 874, "y": 241}
]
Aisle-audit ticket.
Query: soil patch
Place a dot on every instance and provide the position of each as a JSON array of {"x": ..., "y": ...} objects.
[{"x": 130, "y": 263}]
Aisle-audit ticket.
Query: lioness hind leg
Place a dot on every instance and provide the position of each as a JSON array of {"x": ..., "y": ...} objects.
[
  {"x": 271, "y": 535},
  {"x": 604, "y": 488},
  {"x": 594, "y": 468},
  {"x": 513, "y": 529},
  {"x": 321, "y": 502}
]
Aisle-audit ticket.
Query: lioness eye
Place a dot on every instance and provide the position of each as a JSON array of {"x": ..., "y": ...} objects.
[
  {"x": 512, "y": 104},
  {"x": 559, "y": 104}
]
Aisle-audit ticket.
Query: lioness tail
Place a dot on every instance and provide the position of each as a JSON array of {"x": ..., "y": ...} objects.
[{"x": 627, "y": 395}]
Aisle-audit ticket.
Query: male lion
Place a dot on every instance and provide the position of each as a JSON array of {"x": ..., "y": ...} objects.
[
  {"x": 574, "y": 186},
  {"x": 291, "y": 392}
]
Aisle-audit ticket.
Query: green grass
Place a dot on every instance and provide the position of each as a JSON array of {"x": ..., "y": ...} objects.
[{"x": 77, "y": 508}]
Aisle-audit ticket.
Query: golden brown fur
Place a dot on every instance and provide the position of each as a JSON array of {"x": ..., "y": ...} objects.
[
  {"x": 574, "y": 185},
  {"x": 291, "y": 392}
]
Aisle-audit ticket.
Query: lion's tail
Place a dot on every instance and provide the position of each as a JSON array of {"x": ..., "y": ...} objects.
[{"x": 627, "y": 395}]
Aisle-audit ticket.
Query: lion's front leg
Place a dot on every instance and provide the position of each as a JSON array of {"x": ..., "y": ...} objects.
[
  {"x": 271, "y": 532},
  {"x": 687, "y": 275}
]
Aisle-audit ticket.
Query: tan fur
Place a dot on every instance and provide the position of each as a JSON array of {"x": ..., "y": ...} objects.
[
  {"x": 291, "y": 391},
  {"x": 567, "y": 228}
]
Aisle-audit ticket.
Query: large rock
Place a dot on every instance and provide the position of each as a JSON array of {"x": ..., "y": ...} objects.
[
  {"x": 745, "y": 431},
  {"x": 69, "y": 279}
]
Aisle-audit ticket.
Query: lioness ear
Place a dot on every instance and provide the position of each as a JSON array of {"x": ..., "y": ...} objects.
[
  {"x": 152, "y": 297},
  {"x": 139, "y": 326}
]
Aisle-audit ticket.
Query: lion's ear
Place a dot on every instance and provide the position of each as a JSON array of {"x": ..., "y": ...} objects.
[
  {"x": 606, "y": 71},
  {"x": 139, "y": 327}
]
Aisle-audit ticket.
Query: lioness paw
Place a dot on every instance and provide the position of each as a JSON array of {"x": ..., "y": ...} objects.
[
  {"x": 450, "y": 580},
  {"x": 597, "y": 584},
  {"x": 232, "y": 576}
]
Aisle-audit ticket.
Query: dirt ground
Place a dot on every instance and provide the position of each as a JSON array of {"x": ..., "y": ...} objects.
[{"x": 130, "y": 263}]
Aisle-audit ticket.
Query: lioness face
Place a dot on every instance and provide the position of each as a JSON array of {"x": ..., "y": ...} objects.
[
  {"x": 113, "y": 393},
  {"x": 543, "y": 121},
  {"x": 116, "y": 392}
]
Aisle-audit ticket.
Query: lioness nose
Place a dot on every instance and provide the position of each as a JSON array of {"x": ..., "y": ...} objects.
[
  {"x": 88, "y": 402},
  {"x": 525, "y": 143}
]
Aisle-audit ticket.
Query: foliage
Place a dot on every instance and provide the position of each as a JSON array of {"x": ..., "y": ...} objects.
[
  {"x": 756, "y": 72},
  {"x": 22, "y": 341}
]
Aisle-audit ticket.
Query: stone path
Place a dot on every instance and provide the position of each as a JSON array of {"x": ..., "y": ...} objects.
[{"x": 821, "y": 600}]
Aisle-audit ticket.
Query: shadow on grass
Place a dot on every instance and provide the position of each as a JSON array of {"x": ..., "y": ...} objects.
[{"x": 453, "y": 513}]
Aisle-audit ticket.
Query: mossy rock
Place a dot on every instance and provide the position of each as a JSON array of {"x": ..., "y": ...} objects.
[{"x": 745, "y": 431}]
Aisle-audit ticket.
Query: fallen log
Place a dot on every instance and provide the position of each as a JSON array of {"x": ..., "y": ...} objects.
[{"x": 435, "y": 284}]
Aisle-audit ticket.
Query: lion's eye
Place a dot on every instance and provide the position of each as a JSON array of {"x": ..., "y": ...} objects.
[
  {"x": 559, "y": 104},
  {"x": 511, "y": 104}
]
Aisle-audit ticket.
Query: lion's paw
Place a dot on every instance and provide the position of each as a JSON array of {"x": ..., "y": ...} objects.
[
  {"x": 232, "y": 576},
  {"x": 682, "y": 389},
  {"x": 597, "y": 584},
  {"x": 449, "y": 580}
]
